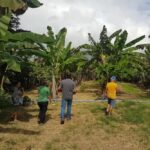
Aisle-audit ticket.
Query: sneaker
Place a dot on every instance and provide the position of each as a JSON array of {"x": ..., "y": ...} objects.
[{"x": 62, "y": 122}]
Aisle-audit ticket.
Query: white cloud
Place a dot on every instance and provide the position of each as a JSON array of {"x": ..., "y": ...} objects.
[{"x": 82, "y": 17}]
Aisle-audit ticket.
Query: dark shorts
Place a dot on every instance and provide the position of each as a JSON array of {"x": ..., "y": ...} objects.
[{"x": 111, "y": 102}]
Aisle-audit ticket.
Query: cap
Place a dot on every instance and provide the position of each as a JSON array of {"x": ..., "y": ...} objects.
[{"x": 113, "y": 78}]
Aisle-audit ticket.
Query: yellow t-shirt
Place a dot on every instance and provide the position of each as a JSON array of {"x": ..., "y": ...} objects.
[{"x": 111, "y": 89}]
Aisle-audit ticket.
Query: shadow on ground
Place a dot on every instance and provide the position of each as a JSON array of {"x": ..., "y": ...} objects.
[
  {"x": 23, "y": 114},
  {"x": 18, "y": 131}
]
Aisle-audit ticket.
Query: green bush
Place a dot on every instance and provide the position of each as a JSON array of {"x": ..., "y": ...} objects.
[{"x": 5, "y": 100}]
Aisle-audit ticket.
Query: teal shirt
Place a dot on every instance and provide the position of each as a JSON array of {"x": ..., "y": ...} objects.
[{"x": 44, "y": 93}]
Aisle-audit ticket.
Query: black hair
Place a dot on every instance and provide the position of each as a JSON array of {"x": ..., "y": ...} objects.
[{"x": 67, "y": 76}]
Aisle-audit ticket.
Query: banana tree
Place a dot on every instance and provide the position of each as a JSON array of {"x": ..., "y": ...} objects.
[
  {"x": 146, "y": 63},
  {"x": 58, "y": 56},
  {"x": 108, "y": 55},
  {"x": 12, "y": 45},
  {"x": 17, "y": 45}
]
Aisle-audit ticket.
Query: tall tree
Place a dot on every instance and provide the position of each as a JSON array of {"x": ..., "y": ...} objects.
[{"x": 113, "y": 54}]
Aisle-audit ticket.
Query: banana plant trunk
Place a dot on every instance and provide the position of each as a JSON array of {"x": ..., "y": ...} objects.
[
  {"x": 53, "y": 86},
  {"x": 3, "y": 78}
]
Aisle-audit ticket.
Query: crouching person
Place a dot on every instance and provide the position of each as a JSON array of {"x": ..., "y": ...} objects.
[{"x": 17, "y": 99}]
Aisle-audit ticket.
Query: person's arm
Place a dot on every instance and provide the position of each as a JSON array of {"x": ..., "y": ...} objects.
[
  {"x": 74, "y": 89},
  {"x": 118, "y": 90},
  {"x": 105, "y": 92},
  {"x": 50, "y": 98},
  {"x": 49, "y": 95}
]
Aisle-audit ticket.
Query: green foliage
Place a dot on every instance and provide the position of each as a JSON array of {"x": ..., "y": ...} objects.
[
  {"x": 12, "y": 43},
  {"x": 11, "y": 61},
  {"x": 133, "y": 42},
  {"x": 40, "y": 71},
  {"x": 33, "y": 3},
  {"x": 116, "y": 33},
  {"x": 15, "y": 5},
  {"x": 130, "y": 88},
  {"x": 112, "y": 56},
  {"x": 4, "y": 21},
  {"x": 146, "y": 66},
  {"x": 57, "y": 56},
  {"x": 5, "y": 100},
  {"x": 27, "y": 36}
]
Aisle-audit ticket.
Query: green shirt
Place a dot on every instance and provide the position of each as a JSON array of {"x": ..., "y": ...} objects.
[{"x": 44, "y": 93}]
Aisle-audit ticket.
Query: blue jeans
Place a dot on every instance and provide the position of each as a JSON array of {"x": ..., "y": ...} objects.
[{"x": 63, "y": 107}]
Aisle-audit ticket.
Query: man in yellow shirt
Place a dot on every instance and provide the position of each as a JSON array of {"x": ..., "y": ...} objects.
[{"x": 111, "y": 90}]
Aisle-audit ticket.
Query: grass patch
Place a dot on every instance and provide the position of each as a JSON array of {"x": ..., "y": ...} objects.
[
  {"x": 131, "y": 88},
  {"x": 88, "y": 129},
  {"x": 137, "y": 114},
  {"x": 89, "y": 85},
  {"x": 128, "y": 112}
]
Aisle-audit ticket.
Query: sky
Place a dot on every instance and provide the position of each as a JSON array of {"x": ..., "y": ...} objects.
[{"x": 81, "y": 17}]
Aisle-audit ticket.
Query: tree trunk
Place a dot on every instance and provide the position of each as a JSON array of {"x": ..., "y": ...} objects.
[
  {"x": 3, "y": 78},
  {"x": 53, "y": 86}
]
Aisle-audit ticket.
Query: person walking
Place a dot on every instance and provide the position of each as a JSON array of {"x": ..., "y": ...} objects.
[
  {"x": 111, "y": 90},
  {"x": 44, "y": 96},
  {"x": 67, "y": 86}
]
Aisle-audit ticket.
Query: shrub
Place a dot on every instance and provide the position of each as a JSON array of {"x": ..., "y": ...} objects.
[{"x": 5, "y": 100}]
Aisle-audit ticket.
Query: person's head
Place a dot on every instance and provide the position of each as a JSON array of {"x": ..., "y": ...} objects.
[
  {"x": 67, "y": 76},
  {"x": 62, "y": 76},
  {"x": 113, "y": 78}
]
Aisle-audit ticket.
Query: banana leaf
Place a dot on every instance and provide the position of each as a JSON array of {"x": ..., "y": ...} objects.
[
  {"x": 60, "y": 38},
  {"x": 27, "y": 36},
  {"x": 115, "y": 34},
  {"x": 133, "y": 42},
  {"x": 34, "y": 3},
  {"x": 4, "y": 21},
  {"x": 11, "y": 61}
]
